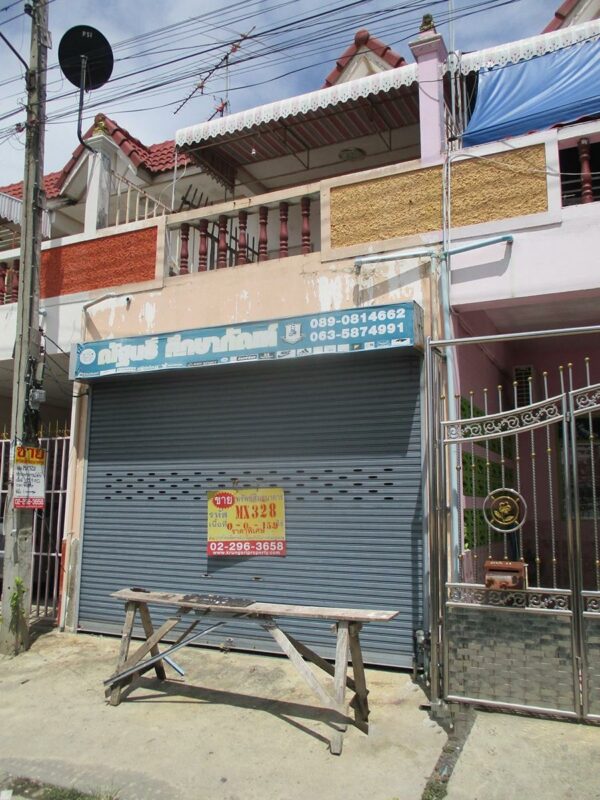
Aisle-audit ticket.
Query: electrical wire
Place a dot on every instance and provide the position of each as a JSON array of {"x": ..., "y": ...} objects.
[
  {"x": 261, "y": 54},
  {"x": 21, "y": 14},
  {"x": 312, "y": 20},
  {"x": 56, "y": 344}
]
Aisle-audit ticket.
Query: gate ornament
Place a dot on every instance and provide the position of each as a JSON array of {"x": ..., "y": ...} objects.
[{"x": 505, "y": 510}]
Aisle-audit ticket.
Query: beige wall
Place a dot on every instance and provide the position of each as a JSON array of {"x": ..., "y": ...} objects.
[
  {"x": 500, "y": 186},
  {"x": 275, "y": 289},
  {"x": 298, "y": 285}
]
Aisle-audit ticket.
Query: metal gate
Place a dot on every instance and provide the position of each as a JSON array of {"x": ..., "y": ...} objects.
[
  {"x": 515, "y": 540},
  {"x": 48, "y": 524}
]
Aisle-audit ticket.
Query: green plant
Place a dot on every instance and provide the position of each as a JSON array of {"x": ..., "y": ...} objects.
[
  {"x": 435, "y": 790},
  {"x": 16, "y": 605},
  {"x": 56, "y": 793}
]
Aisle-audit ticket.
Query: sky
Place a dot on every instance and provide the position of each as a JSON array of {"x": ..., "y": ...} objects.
[{"x": 164, "y": 50}]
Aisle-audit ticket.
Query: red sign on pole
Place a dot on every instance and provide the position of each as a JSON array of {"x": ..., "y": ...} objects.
[{"x": 29, "y": 477}]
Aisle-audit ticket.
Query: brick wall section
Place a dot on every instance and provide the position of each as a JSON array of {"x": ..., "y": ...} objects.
[{"x": 99, "y": 263}]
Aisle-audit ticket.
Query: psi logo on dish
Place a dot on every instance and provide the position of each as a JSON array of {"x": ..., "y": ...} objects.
[{"x": 224, "y": 500}]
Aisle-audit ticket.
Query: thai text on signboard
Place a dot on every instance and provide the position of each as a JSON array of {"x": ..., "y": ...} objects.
[
  {"x": 246, "y": 522},
  {"x": 29, "y": 477},
  {"x": 344, "y": 331}
]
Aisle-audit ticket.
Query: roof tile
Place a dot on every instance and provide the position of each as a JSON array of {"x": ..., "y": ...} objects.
[
  {"x": 560, "y": 15},
  {"x": 363, "y": 39},
  {"x": 155, "y": 158}
]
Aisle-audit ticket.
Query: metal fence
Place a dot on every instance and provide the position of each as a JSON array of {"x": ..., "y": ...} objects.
[{"x": 48, "y": 525}]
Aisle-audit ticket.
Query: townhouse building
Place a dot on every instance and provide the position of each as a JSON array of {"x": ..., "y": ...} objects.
[{"x": 379, "y": 297}]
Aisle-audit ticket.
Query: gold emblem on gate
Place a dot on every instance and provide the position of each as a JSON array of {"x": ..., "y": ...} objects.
[{"x": 504, "y": 510}]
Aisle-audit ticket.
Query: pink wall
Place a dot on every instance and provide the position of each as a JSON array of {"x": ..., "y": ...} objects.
[
  {"x": 541, "y": 453},
  {"x": 548, "y": 355},
  {"x": 482, "y": 365}
]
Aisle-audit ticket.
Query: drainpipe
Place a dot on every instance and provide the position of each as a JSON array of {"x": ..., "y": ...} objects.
[
  {"x": 439, "y": 258},
  {"x": 427, "y": 252}
]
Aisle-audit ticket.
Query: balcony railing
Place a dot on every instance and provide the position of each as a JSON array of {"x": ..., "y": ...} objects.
[
  {"x": 9, "y": 281},
  {"x": 267, "y": 227},
  {"x": 129, "y": 203},
  {"x": 579, "y": 177},
  {"x": 282, "y": 224}
]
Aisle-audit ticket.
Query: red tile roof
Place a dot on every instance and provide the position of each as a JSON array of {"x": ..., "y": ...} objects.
[
  {"x": 51, "y": 186},
  {"x": 155, "y": 158},
  {"x": 363, "y": 39},
  {"x": 560, "y": 15}
]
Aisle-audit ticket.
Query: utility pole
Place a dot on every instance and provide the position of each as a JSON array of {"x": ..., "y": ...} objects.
[{"x": 18, "y": 522}]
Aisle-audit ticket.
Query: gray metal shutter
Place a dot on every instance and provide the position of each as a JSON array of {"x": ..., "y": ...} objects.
[{"x": 341, "y": 435}]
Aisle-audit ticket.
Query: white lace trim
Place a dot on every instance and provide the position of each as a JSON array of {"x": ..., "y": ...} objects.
[
  {"x": 525, "y": 49},
  {"x": 302, "y": 104}
]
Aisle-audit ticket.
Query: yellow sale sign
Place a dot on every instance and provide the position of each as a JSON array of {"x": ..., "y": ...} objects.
[
  {"x": 246, "y": 522},
  {"x": 29, "y": 477}
]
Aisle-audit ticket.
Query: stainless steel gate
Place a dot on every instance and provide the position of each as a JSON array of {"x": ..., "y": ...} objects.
[
  {"x": 515, "y": 542},
  {"x": 48, "y": 525}
]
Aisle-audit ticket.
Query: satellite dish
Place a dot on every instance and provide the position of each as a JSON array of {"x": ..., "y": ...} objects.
[
  {"x": 86, "y": 60},
  {"x": 85, "y": 57}
]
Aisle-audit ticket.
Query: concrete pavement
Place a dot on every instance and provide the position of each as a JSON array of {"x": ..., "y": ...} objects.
[
  {"x": 507, "y": 757},
  {"x": 237, "y": 727},
  {"x": 243, "y": 727}
]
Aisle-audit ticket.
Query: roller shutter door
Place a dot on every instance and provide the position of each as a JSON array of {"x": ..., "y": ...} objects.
[{"x": 340, "y": 434}]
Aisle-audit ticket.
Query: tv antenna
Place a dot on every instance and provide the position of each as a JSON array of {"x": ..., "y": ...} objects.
[{"x": 86, "y": 60}]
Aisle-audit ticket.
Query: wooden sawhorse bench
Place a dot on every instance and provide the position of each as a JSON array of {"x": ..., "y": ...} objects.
[{"x": 348, "y": 622}]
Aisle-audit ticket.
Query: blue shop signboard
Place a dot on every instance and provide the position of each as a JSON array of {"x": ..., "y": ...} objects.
[{"x": 346, "y": 331}]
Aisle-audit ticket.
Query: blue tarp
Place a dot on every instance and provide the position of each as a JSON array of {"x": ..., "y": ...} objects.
[{"x": 562, "y": 86}]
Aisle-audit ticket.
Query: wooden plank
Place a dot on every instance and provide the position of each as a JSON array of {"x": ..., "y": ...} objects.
[
  {"x": 130, "y": 609},
  {"x": 145, "y": 648},
  {"x": 270, "y": 609},
  {"x": 360, "y": 702},
  {"x": 301, "y": 666},
  {"x": 318, "y": 660},
  {"x": 342, "y": 651},
  {"x": 149, "y": 631}
]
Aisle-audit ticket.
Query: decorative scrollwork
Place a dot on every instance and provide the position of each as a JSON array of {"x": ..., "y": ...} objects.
[
  {"x": 466, "y": 594},
  {"x": 592, "y": 604},
  {"x": 522, "y": 419},
  {"x": 559, "y": 602},
  {"x": 524, "y": 599},
  {"x": 587, "y": 399}
]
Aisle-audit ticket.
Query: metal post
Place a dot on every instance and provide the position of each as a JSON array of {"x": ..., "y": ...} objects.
[
  {"x": 18, "y": 523},
  {"x": 433, "y": 538}
]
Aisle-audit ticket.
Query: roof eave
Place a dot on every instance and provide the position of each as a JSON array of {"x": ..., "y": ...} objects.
[{"x": 289, "y": 108}]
